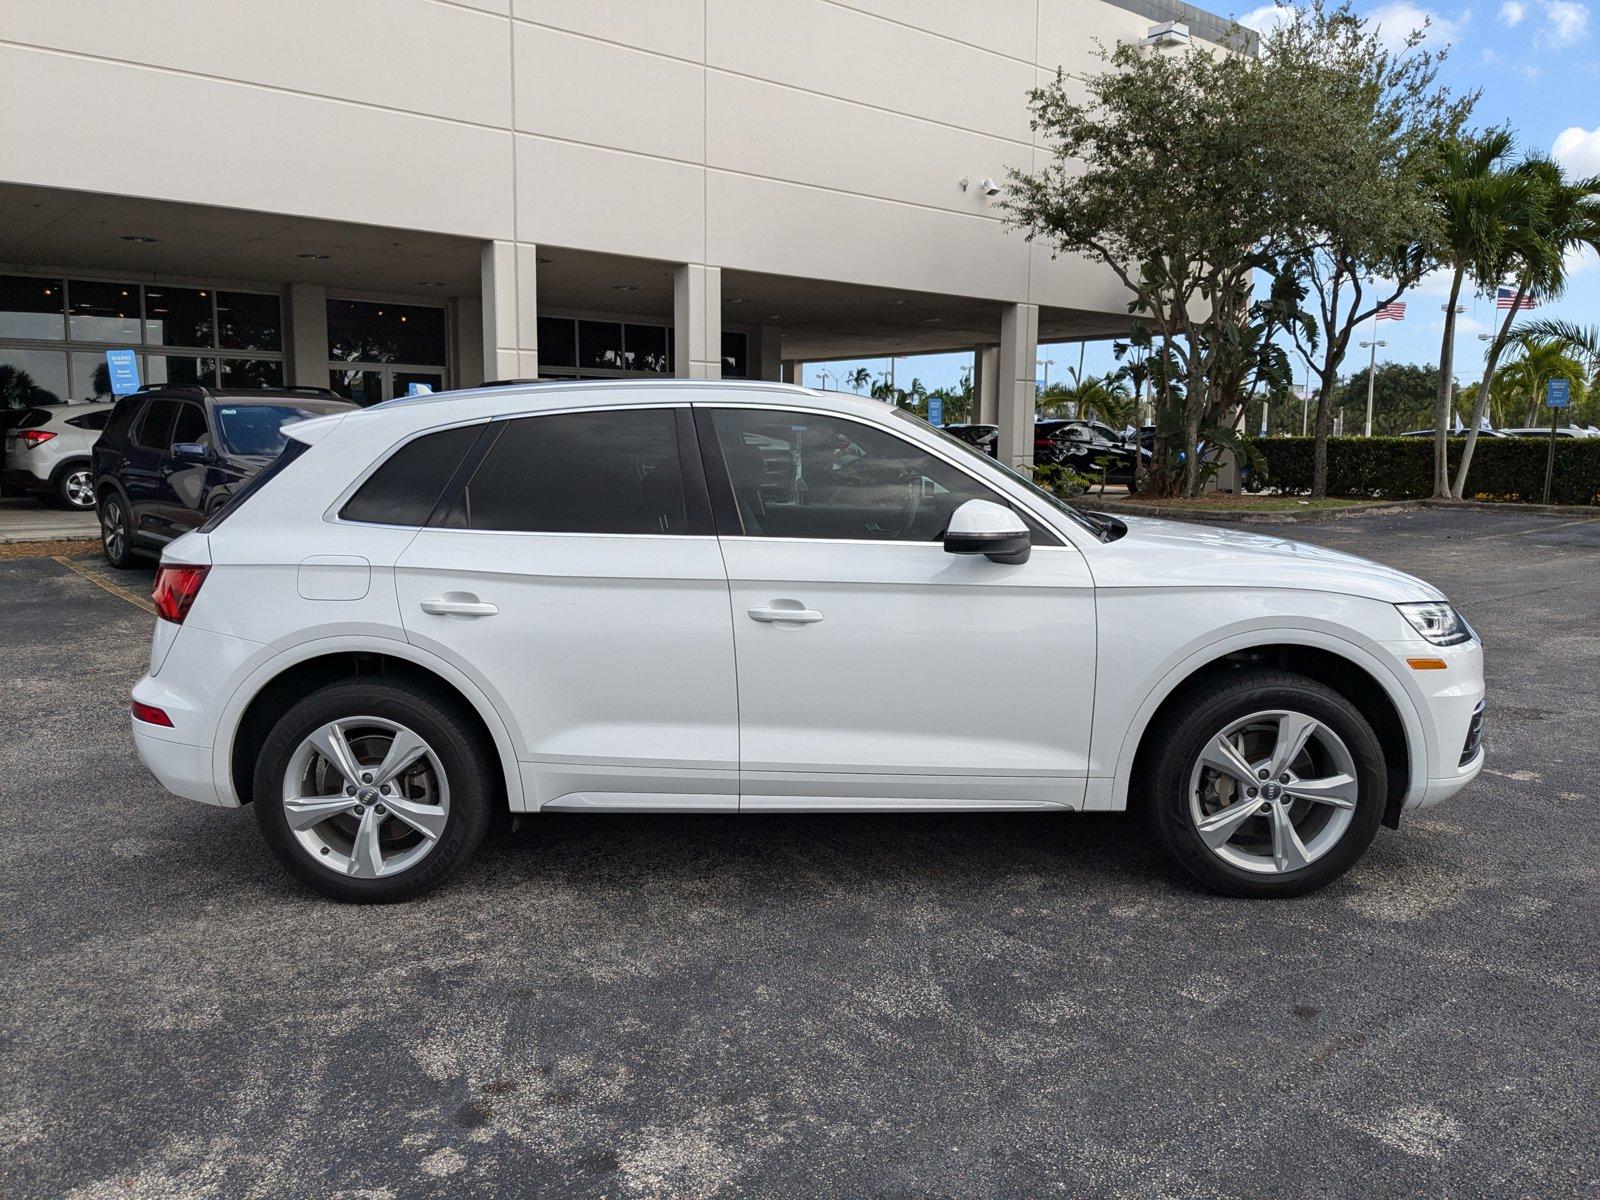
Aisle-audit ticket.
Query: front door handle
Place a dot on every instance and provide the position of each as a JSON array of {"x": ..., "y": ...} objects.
[
  {"x": 783, "y": 615},
  {"x": 459, "y": 606}
]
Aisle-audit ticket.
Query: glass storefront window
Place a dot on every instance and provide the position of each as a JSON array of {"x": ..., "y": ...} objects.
[
  {"x": 98, "y": 311},
  {"x": 647, "y": 348},
  {"x": 600, "y": 344},
  {"x": 31, "y": 306},
  {"x": 30, "y": 377},
  {"x": 364, "y": 331},
  {"x": 91, "y": 378},
  {"x": 735, "y": 364},
  {"x": 180, "y": 370},
  {"x": 250, "y": 321},
  {"x": 177, "y": 316},
  {"x": 432, "y": 380},
  {"x": 252, "y": 372},
  {"x": 558, "y": 342},
  {"x": 364, "y": 387}
]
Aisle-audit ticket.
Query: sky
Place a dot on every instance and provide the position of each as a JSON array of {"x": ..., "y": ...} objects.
[{"x": 1537, "y": 64}]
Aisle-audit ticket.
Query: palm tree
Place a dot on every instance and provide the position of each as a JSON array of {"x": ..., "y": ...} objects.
[
  {"x": 858, "y": 379},
  {"x": 1477, "y": 199},
  {"x": 1535, "y": 361},
  {"x": 1582, "y": 340},
  {"x": 1555, "y": 218}
]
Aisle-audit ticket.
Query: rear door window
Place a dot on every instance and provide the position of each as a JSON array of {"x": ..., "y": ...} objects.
[
  {"x": 190, "y": 426},
  {"x": 154, "y": 431},
  {"x": 405, "y": 489}
]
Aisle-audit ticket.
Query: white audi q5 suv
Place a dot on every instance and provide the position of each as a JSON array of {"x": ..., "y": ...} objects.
[{"x": 719, "y": 597}]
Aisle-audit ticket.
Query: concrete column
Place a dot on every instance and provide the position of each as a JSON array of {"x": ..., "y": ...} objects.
[
  {"x": 467, "y": 352},
  {"x": 308, "y": 335},
  {"x": 509, "y": 274},
  {"x": 766, "y": 345},
  {"x": 1019, "y": 347},
  {"x": 985, "y": 389},
  {"x": 794, "y": 371},
  {"x": 697, "y": 321}
]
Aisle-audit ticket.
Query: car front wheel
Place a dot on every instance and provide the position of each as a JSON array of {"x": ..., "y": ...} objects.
[
  {"x": 1265, "y": 783},
  {"x": 373, "y": 791}
]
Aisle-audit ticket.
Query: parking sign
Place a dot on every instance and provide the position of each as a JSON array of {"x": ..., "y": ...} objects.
[
  {"x": 123, "y": 367},
  {"x": 935, "y": 410},
  {"x": 1558, "y": 393}
]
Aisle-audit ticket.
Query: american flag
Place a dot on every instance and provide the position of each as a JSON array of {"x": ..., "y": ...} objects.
[
  {"x": 1395, "y": 311},
  {"x": 1507, "y": 298}
]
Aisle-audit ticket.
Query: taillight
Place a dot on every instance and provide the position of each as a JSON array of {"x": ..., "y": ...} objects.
[
  {"x": 175, "y": 590},
  {"x": 35, "y": 437},
  {"x": 150, "y": 715}
]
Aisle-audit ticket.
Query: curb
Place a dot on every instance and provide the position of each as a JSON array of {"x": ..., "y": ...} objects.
[
  {"x": 1589, "y": 511},
  {"x": 1246, "y": 517}
]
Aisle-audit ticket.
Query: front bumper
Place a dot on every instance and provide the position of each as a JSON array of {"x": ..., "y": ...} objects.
[{"x": 1450, "y": 705}]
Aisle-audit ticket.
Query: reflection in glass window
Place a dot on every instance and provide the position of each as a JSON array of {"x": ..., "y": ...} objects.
[
  {"x": 558, "y": 342},
  {"x": 252, "y": 321},
  {"x": 180, "y": 370},
  {"x": 98, "y": 311},
  {"x": 364, "y": 387},
  {"x": 252, "y": 372},
  {"x": 30, "y": 377},
  {"x": 31, "y": 307},
  {"x": 735, "y": 364},
  {"x": 91, "y": 378},
  {"x": 431, "y": 380},
  {"x": 178, "y": 316},
  {"x": 600, "y": 344},
  {"x": 803, "y": 475},
  {"x": 647, "y": 348},
  {"x": 256, "y": 429},
  {"x": 363, "y": 331}
]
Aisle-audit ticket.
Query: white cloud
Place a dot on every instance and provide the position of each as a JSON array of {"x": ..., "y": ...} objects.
[
  {"x": 1565, "y": 23},
  {"x": 1512, "y": 12},
  {"x": 1578, "y": 151},
  {"x": 1398, "y": 19},
  {"x": 1267, "y": 18}
]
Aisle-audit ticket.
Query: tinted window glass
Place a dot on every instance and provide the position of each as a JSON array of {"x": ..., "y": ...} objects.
[
  {"x": 592, "y": 472},
  {"x": 802, "y": 475},
  {"x": 154, "y": 432},
  {"x": 102, "y": 312},
  {"x": 30, "y": 307},
  {"x": 33, "y": 418},
  {"x": 648, "y": 348},
  {"x": 175, "y": 316},
  {"x": 91, "y": 377},
  {"x": 180, "y": 369},
  {"x": 252, "y": 372},
  {"x": 92, "y": 421},
  {"x": 735, "y": 363},
  {"x": 122, "y": 416},
  {"x": 364, "y": 387},
  {"x": 29, "y": 377},
  {"x": 558, "y": 342},
  {"x": 190, "y": 426},
  {"x": 599, "y": 344},
  {"x": 404, "y": 489},
  {"x": 257, "y": 429},
  {"x": 359, "y": 331},
  {"x": 252, "y": 321}
]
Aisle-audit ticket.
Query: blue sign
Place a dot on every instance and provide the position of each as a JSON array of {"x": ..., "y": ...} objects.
[
  {"x": 123, "y": 366},
  {"x": 935, "y": 410},
  {"x": 1558, "y": 393},
  {"x": 418, "y": 389}
]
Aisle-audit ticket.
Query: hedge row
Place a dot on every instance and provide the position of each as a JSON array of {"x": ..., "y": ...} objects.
[{"x": 1398, "y": 468}]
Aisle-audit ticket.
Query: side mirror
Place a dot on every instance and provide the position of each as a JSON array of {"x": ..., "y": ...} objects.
[
  {"x": 191, "y": 452},
  {"x": 983, "y": 527}
]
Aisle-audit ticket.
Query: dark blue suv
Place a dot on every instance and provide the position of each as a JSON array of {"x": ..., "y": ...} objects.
[{"x": 171, "y": 457}]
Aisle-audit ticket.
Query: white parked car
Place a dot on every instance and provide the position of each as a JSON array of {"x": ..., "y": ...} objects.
[
  {"x": 751, "y": 597},
  {"x": 47, "y": 453}
]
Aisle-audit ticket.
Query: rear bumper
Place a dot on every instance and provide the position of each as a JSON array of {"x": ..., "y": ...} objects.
[
  {"x": 182, "y": 769},
  {"x": 15, "y": 479}
]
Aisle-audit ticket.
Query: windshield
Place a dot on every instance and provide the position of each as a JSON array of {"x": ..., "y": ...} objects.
[
  {"x": 995, "y": 464},
  {"x": 255, "y": 430}
]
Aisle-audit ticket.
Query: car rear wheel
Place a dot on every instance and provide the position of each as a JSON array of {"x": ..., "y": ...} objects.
[
  {"x": 116, "y": 537},
  {"x": 74, "y": 488},
  {"x": 373, "y": 791},
  {"x": 1265, "y": 783}
]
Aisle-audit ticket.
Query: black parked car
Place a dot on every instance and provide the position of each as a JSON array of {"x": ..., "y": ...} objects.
[
  {"x": 1081, "y": 446},
  {"x": 982, "y": 437},
  {"x": 173, "y": 456}
]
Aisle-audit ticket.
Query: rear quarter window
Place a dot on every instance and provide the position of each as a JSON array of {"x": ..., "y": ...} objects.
[
  {"x": 122, "y": 415},
  {"x": 405, "y": 489},
  {"x": 91, "y": 421}
]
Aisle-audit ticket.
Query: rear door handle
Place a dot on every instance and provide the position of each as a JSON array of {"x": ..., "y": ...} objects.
[
  {"x": 796, "y": 615},
  {"x": 448, "y": 607}
]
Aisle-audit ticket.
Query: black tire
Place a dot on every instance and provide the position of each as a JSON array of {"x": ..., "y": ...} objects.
[
  {"x": 1204, "y": 712},
  {"x": 434, "y": 717},
  {"x": 116, "y": 531},
  {"x": 73, "y": 488}
]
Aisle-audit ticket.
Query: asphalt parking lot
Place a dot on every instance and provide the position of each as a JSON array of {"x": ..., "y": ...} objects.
[{"x": 962, "y": 1006}]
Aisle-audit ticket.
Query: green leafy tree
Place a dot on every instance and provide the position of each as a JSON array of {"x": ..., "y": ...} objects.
[
  {"x": 1403, "y": 397},
  {"x": 1534, "y": 362},
  {"x": 1556, "y": 218}
]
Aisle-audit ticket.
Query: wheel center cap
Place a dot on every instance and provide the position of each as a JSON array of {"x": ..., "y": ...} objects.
[
  {"x": 1271, "y": 791},
  {"x": 367, "y": 795}
]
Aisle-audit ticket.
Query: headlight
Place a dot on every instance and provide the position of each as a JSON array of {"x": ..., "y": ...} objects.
[{"x": 1438, "y": 622}]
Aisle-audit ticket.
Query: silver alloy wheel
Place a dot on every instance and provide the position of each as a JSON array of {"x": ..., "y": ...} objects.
[
  {"x": 77, "y": 488},
  {"x": 366, "y": 797},
  {"x": 112, "y": 532},
  {"x": 1273, "y": 792}
]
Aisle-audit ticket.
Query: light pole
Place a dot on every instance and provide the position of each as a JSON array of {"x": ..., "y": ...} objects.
[
  {"x": 1372, "y": 368},
  {"x": 1458, "y": 310},
  {"x": 825, "y": 375}
]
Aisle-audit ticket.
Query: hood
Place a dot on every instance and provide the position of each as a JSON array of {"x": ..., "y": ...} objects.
[{"x": 1176, "y": 554}]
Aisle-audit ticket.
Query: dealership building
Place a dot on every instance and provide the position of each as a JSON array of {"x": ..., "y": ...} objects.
[{"x": 373, "y": 194}]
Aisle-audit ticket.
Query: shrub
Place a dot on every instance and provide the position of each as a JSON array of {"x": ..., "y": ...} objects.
[{"x": 1400, "y": 468}]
